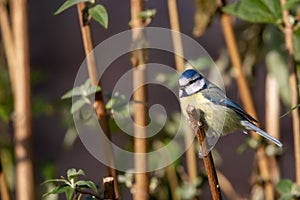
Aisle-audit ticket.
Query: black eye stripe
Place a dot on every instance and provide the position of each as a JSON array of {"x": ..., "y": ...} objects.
[{"x": 193, "y": 81}]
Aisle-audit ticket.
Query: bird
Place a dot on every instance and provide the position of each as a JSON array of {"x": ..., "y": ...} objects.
[{"x": 221, "y": 114}]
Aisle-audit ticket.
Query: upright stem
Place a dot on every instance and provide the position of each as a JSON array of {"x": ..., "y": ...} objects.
[
  {"x": 288, "y": 32},
  {"x": 207, "y": 159},
  {"x": 179, "y": 61},
  {"x": 22, "y": 102},
  {"x": 139, "y": 60},
  {"x": 245, "y": 96},
  {"x": 272, "y": 120},
  {"x": 99, "y": 104},
  {"x": 177, "y": 43}
]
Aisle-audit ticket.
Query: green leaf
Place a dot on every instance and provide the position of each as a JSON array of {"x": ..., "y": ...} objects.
[
  {"x": 92, "y": 90},
  {"x": 86, "y": 183},
  {"x": 255, "y": 11},
  {"x": 68, "y": 4},
  {"x": 71, "y": 173},
  {"x": 296, "y": 40},
  {"x": 290, "y": 4},
  {"x": 284, "y": 186},
  {"x": 57, "y": 190},
  {"x": 274, "y": 7},
  {"x": 76, "y": 91},
  {"x": 69, "y": 193},
  {"x": 77, "y": 105},
  {"x": 99, "y": 14}
]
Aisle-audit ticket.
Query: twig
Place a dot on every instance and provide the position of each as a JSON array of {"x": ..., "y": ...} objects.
[
  {"x": 7, "y": 36},
  {"x": 245, "y": 96},
  {"x": 208, "y": 159},
  {"x": 22, "y": 103},
  {"x": 180, "y": 65},
  {"x": 109, "y": 191},
  {"x": 139, "y": 60},
  {"x": 99, "y": 104},
  {"x": 288, "y": 32}
]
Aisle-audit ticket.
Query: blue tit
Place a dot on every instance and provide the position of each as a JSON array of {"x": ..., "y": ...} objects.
[{"x": 220, "y": 114}]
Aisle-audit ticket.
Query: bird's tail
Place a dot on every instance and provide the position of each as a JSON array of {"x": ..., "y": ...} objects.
[{"x": 249, "y": 126}]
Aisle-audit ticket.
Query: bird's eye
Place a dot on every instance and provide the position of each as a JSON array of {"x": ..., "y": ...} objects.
[{"x": 193, "y": 81}]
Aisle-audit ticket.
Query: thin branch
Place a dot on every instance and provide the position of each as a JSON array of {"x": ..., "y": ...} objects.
[
  {"x": 180, "y": 65},
  {"x": 22, "y": 103},
  {"x": 139, "y": 60},
  {"x": 245, "y": 95},
  {"x": 208, "y": 159},
  {"x": 293, "y": 81},
  {"x": 99, "y": 104},
  {"x": 7, "y": 36}
]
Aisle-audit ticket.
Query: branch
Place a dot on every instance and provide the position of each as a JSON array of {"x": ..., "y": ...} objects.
[
  {"x": 139, "y": 60},
  {"x": 293, "y": 81},
  {"x": 208, "y": 159},
  {"x": 22, "y": 103},
  {"x": 99, "y": 104},
  {"x": 245, "y": 95},
  {"x": 180, "y": 65}
]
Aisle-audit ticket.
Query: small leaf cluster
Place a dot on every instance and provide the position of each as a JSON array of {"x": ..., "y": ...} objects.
[
  {"x": 83, "y": 92},
  {"x": 189, "y": 190},
  {"x": 96, "y": 11},
  {"x": 72, "y": 186},
  {"x": 288, "y": 190}
]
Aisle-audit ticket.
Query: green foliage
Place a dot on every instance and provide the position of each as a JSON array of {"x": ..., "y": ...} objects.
[
  {"x": 68, "y": 4},
  {"x": 288, "y": 190},
  {"x": 117, "y": 105},
  {"x": 83, "y": 92},
  {"x": 256, "y": 11},
  {"x": 291, "y": 4},
  {"x": 71, "y": 185},
  {"x": 149, "y": 13},
  {"x": 99, "y": 13},
  {"x": 190, "y": 190},
  {"x": 96, "y": 11}
]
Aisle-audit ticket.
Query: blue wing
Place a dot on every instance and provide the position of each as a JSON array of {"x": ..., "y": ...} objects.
[
  {"x": 217, "y": 96},
  {"x": 238, "y": 109}
]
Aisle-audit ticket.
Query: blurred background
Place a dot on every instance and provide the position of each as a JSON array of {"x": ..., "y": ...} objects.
[{"x": 56, "y": 53}]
